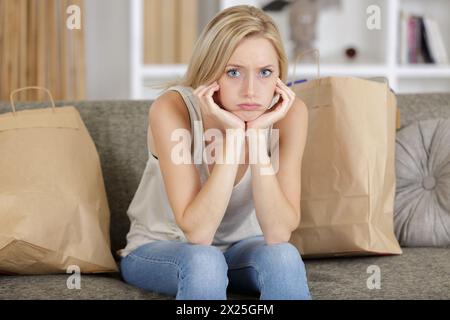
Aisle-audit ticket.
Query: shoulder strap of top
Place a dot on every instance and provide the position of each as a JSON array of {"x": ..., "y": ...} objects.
[
  {"x": 195, "y": 119},
  {"x": 187, "y": 94}
]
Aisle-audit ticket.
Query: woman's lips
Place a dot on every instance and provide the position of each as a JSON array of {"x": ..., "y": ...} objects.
[{"x": 250, "y": 107}]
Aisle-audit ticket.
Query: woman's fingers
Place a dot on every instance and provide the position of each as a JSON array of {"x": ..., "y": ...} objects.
[
  {"x": 211, "y": 89},
  {"x": 199, "y": 88},
  {"x": 287, "y": 94},
  {"x": 227, "y": 119},
  {"x": 285, "y": 88},
  {"x": 202, "y": 93},
  {"x": 209, "y": 96},
  {"x": 203, "y": 90},
  {"x": 284, "y": 98}
]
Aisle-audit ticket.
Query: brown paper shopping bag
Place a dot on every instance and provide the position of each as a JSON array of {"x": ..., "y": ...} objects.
[
  {"x": 53, "y": 207},
  {"x": 348, "y": 169}
]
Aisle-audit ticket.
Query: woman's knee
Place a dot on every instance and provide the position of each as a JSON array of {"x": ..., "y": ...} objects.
[
  {"x": 205, "y": 276},
  {"x": 206, "y": 262},
  {"x": 280, "y": 262},
  {"x": 154, "y": 275},
  {"x": 191, "y": 270},
  {"x": 284, "y": 254},
  {"x": 282, "y": 272}
]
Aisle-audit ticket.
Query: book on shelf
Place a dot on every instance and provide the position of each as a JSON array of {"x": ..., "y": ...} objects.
[{"x": 421, "y": 40}]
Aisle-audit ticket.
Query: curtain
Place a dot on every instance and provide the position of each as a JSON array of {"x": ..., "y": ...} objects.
[
  {"x": 170, "y": 30},
  {"x": 38, "y": 49}
]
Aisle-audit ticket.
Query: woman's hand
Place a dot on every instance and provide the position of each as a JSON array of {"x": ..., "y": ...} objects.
[
  {"x": 278, "y": 111},
  {"x": 210, "y": 109}
]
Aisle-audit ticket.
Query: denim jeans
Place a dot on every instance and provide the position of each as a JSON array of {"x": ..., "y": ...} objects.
[{"x": 203, "y": 272}]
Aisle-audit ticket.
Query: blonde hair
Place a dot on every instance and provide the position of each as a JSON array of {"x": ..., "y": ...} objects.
[{"x": 220, "y": 38}]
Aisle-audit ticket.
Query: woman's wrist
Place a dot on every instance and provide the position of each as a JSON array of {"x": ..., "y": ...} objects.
[
  {"x": 234, "y": 146},
  {"x": 258, "y": 146}
]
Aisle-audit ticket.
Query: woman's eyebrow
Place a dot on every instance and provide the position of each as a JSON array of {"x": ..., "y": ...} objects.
[{"x": 239, "y": 66}]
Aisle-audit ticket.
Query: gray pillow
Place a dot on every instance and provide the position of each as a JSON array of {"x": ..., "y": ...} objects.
[{"x": 422, "y": 202}]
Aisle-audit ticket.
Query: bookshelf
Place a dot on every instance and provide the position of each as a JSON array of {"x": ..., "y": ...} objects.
[{"x": 378, "y": 49}]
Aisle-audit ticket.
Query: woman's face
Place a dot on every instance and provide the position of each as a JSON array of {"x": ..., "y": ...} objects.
[{"x": 249, "y": 79}]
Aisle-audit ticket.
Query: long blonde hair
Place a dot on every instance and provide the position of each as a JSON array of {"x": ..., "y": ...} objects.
[{"x": 220, "y": 38}]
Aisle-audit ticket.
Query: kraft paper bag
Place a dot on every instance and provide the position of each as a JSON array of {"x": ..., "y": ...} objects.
[
  {"x": 348, "y": 169},
  {"x": 53, "y": 207}
]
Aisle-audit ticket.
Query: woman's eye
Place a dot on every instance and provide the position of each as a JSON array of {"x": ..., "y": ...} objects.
[
  {"x": 266, "y": 73},
  {"x": 233, "y": 73}
]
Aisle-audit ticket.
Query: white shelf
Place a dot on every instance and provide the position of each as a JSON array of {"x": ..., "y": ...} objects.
[
  {"x": 158, "y": 71},
  {"x": 423, "y": 71},
  {"x": 381, "y": 44},
  {"x": 310, "y": 70}
]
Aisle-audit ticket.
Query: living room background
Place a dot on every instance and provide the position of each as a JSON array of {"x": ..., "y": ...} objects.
[{"x": 119, "y": 38}]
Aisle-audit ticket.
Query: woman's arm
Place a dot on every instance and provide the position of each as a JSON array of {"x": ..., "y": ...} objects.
[
  {"x": 277, "y": 196},
  {"x": 198, "y": 210},
  {"x": 204, "y": 214}
]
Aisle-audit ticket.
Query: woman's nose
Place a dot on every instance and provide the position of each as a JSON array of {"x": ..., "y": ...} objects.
[{"x": 249, "y": 86}]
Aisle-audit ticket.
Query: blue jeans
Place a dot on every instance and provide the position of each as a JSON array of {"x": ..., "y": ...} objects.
[{"x": 202, "y": 272}]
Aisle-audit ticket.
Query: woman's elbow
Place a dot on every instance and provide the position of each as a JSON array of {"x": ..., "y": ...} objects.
[
  {"x": 198, "y": 238},
  {"x": 277, "y": 238}
]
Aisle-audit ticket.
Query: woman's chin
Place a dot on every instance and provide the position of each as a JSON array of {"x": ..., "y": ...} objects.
[{"x": 248, "y": 115}]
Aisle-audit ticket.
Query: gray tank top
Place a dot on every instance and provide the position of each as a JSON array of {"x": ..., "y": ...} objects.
[{"x": 151, "y": 216}]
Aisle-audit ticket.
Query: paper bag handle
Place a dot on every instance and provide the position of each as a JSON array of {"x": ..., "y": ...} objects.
[
  {"x": 26, "y": 88},
  {"x": 300, "y": 56}
]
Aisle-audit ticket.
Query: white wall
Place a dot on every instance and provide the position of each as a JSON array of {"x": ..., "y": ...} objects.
[{"x": 106, "y": 27}]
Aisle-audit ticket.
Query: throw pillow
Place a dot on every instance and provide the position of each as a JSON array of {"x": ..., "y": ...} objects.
[{"x": 422, "y": 204}]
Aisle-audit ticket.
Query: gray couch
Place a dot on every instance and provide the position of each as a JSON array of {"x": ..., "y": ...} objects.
[{"x": 119, "y": 131}]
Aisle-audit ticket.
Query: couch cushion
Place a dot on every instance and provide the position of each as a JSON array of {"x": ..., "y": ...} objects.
[
  {"x": 98, "y": 287},
  {"x": 105, "y": 286},
  {"x": 422, "y": 202},
  {"x": 419, "y": 273},
  {"x": 423, "y": 106}
]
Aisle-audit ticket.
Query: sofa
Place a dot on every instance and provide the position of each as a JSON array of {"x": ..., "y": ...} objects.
[{"x": 118, "y": 129}]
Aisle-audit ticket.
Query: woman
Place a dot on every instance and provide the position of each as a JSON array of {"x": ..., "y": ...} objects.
[{"x": 198, "y": 228}]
